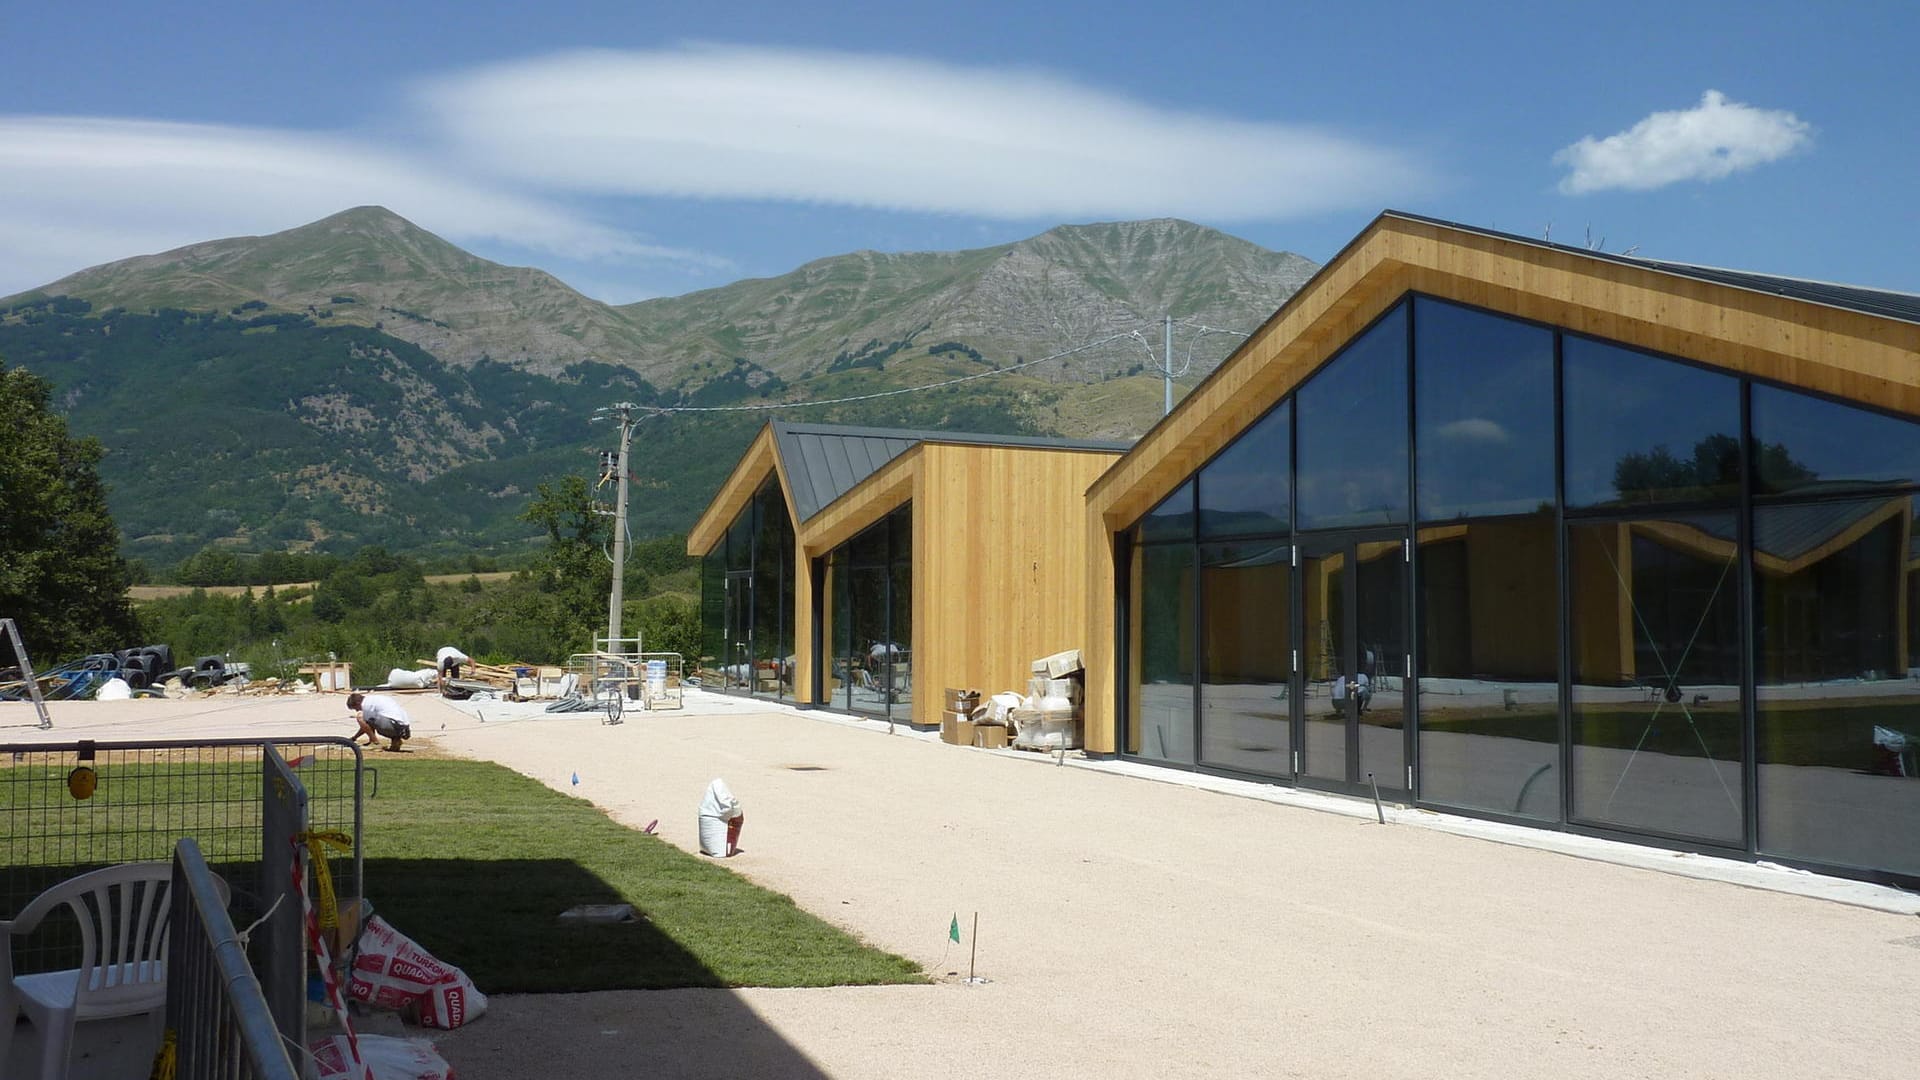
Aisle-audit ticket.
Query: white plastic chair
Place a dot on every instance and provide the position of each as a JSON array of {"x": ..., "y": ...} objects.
[{"x": 122, "y": 912}]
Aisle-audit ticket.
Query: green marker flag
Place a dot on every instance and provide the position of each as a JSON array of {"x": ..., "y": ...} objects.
[{"x": 953, "y": 932}]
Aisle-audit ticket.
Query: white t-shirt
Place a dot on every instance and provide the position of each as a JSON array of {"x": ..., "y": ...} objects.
[
  {"x": 448, "y": 652},
  {"x": 379, "y": 710}
]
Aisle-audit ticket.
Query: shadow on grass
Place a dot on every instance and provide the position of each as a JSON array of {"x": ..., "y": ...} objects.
[
  {"x": 505, "y": 928},
  {"x": 508, "y": 937}
]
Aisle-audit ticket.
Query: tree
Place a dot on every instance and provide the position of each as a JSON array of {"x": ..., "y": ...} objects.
[
  {"x": 571, "y": 575},
  {"x": 61, "y": 574},
  {"x": 1713, "y": 468}
]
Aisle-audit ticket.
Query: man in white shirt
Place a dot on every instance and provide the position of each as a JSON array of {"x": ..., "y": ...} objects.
[
  {"x": 380, "y": 716},
  {"x": 448, "y": 660}
]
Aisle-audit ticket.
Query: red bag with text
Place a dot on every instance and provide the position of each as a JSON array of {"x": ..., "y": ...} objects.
[{"x": 391, "y": 972}]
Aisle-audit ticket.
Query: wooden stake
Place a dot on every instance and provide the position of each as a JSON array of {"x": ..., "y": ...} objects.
[{"x": 973, "y": 946}]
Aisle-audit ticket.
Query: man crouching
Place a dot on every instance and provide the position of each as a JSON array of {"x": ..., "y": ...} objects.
[{"x": 379, "y": 716}]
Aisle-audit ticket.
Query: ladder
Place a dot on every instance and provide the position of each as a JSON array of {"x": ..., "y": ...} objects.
[{"x": 26, "y": 672}]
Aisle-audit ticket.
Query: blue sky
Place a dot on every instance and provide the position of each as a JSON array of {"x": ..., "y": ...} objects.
[{"x": 638, "y": 150}]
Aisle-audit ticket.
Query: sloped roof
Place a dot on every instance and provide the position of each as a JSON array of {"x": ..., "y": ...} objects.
[
  {"x": 825, "y": 461},
  {"x": 1885, "y": 303},
  {"x": 1788, "y": 533}
]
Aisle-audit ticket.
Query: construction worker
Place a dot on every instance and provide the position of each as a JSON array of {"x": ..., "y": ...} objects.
[
  {"x": 379, "y": 716},
  {"x": 449, "y": 661}
]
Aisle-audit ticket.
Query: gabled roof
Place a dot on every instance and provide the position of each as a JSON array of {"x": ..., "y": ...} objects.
[
  {"x": 824, "y": 464},
  {"x": 1853, "y": 344},
  {"x": 819, "y": 465},
  {"x": 1885, "y": 303},
  {"x": 825, "y": 461}
]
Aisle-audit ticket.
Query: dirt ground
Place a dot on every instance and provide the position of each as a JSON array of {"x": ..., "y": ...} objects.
[{"x": 1129, "y": 928}]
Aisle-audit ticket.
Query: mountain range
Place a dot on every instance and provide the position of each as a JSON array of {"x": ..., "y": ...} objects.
[{"x": 360, "y": 379}]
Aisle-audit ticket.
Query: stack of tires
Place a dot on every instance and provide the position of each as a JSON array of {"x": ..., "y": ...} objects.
[
  {"x": 145, "y": 666},
  {"x": 208, "y": 671}
]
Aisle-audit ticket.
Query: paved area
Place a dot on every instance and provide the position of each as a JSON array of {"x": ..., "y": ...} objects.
[{"x": 1137, "y": 928}]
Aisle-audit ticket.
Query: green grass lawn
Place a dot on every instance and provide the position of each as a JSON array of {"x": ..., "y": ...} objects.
[
  {"x": 476, "y": 863},
  {"x": 473, "y": 861}
]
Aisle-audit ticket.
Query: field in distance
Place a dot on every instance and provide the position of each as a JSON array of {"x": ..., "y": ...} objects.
[{"x": 138, "y": 593}]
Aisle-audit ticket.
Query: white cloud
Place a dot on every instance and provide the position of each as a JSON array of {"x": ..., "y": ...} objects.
[
  {"x": 877, "y": 131},
  {"x": 1711, "y": 141},
  {"x": 1474, "y": 429},
  {"x": 75, "y": 192}
]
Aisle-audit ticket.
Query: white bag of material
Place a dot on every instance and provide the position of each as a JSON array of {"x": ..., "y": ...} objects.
[
  {"x": 114, "y": 689},
  {"x": 388, "y": 1058},
  {"x": 717, "y": 809},
  {"x": 402, "y": 679}
]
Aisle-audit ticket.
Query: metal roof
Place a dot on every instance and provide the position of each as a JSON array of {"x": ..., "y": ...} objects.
[
  {"x": 825, "y": 461},
  {"x": 1882, "y": 302},
  {"x": 1788, "y": 532}
]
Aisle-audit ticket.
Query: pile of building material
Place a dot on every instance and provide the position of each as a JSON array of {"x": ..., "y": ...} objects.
[
  {"x": 963, "y": 723},
  {"x": 514, "y": 682},
  {"x": 1046, "y": 717},
  {"x": 1050, "y": 718}
]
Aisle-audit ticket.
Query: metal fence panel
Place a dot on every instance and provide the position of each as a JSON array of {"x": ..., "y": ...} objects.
[
  {"x": 220, "y": 1019},
  {"x": 146, "y": 795},
  {"x": 281, "y": 950}
]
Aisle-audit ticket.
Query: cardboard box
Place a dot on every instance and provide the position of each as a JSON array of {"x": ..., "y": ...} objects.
[
  {"x": 962, "y": 701},
  {"x": 989, "y": 736},
  {"x": 1059, "y": 665},
  {"x": 955, "y": 728}
]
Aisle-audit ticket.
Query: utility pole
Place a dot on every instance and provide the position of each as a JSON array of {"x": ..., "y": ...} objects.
[
  {"x": 619, "y": 526},
  {"x": 1166, "y": 363}
]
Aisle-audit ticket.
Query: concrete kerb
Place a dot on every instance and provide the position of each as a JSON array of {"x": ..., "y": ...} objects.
[{"x": 1766, "y": 876}]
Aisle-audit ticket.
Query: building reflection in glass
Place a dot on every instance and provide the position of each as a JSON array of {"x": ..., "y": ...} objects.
[{"x": 1837, "y": 731}]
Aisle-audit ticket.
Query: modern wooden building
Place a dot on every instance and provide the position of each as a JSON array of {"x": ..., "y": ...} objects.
[
  {"x": 1575, "y": 540},
  {"x": 867, "y": 569}
]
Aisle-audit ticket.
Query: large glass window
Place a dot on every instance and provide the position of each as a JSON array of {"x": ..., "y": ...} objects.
[
  {"x": 1352, "y": 419},
  {"x": 772, "y": 596},
  {"x": 1803, "y": 443},
  {"x": 1489, "y": 690},
  {"x": 1657, "y": 742},
  {"x": 1172, "y": 519},
  {"x": 1275, "y": 646},
  {"x": 1246, "y": 714},
  {"x": 1640, "y": 429},
  {"x": 1837, "y": 735},
  {"x": 871, "y": 585},
  {"x": 1161, "y": 720},
  {"x": 1245, "y": 490},
  {"x": 746, "y": 601},
  {"x": 1483, "y": 408},
  {"x": 713, "y": 614}
]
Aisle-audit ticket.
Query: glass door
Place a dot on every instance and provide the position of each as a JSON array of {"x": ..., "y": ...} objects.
[
  {"x": 1353, "y": 710},
  {"x": 736, "y": 665}
]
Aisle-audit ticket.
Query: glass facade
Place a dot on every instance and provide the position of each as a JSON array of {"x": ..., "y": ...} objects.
[
  {"x": 869, "y": 631},
  {"x": 746, "y": 602},
  {"x": 1521, "y": 572}
]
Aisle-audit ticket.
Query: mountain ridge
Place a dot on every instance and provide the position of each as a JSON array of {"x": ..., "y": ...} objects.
[
  {"x": 368, "y": 266},
  {"x": 360, "y": 380}
]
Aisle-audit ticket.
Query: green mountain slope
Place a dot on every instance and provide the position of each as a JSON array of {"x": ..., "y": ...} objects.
[
  {"x": 370, "y": 267},
  {"x": 360, "y": 380},
  {"x": 279, "y": 432}
]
